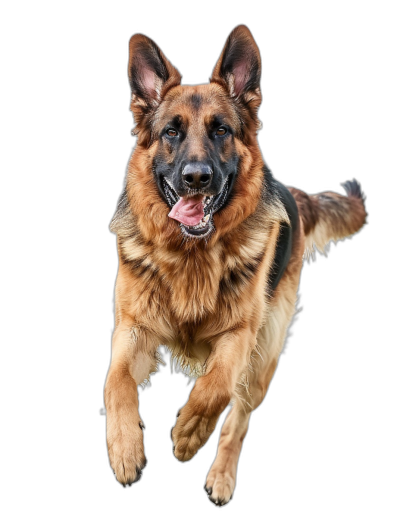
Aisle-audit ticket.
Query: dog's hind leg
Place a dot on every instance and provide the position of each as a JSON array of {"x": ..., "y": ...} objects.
[
  {"x": 221, "y": 479},
  {"x": 251, "y": 390},
  {"x": 133, "y": 358}
]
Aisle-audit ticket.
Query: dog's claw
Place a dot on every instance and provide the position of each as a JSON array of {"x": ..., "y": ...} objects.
[
  {"x": 218, "y": 502},
  {"x": 138, "y": 470},
  {"x": 208, "y": 490}
]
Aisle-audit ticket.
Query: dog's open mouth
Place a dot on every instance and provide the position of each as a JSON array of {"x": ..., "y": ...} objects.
[{"x": 195, "y": 212}]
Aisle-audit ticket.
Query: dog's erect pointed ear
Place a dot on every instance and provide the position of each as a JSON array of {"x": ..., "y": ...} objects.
[
  {"x": 239, "y": 67},
  {"x": 151, "y": 75}
]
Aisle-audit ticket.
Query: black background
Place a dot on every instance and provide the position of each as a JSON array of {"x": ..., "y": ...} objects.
[{"x": 306, "y": 454}]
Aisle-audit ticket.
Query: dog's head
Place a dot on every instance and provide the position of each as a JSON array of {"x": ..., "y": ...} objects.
[{"x": 197, "y": 143}]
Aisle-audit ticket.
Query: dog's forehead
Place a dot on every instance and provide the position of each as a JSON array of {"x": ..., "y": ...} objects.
[{"x": 198, "y": 103}]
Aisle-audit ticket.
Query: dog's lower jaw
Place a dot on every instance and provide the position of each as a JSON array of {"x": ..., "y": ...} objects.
[{"x": 203, "y": 232}]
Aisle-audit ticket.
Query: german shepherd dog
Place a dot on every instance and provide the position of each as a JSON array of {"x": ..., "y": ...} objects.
[{"x": 210, "y": 252}]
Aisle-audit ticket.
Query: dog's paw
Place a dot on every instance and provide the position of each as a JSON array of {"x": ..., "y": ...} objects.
[
  {"x": 190, "y": 433},
  {"x": 219, "y": 487},
  {"x": 126, "y": 453}
]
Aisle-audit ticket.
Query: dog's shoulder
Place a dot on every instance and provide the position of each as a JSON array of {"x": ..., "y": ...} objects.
[{"x": 123, "y": 223}]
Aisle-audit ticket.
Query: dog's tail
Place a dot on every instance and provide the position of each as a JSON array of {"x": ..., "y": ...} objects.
[{"x": 330, "y": 216}]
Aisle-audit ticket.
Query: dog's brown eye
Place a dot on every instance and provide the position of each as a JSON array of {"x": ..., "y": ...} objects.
[
  {"x": 221, "y": 131},
  {"x": 172, "y": 132}
]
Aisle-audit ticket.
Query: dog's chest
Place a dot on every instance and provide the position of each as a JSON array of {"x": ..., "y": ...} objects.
[
  {"x": 194, "y": 293},
  {"x": 202, "y": 289}
]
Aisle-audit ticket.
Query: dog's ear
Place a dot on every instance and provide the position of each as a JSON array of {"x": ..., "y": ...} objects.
[
  {"x": 239, "y": 68},
  {"x": 151, "y": 75}
]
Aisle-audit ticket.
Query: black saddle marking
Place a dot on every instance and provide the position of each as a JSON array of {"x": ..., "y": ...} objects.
[{"x": 283, "y": 250}]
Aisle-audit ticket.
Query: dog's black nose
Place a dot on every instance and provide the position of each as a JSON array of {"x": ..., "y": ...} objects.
[{"x": 197, "y": 175}]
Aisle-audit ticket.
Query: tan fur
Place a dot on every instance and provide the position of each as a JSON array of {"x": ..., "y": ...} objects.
[
  {"x": 211, "y": 300},
  {"x": 329, "y": 216}
]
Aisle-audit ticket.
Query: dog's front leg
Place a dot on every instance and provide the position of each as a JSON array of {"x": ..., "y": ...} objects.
[
  {"x": 133, "y": 358},
  {"x": 211, "y": 392}
]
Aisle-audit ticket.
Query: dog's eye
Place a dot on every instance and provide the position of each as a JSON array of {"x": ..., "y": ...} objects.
[
  {"x": 172, "y": 132},
  {"x": 221, "y": 131}
]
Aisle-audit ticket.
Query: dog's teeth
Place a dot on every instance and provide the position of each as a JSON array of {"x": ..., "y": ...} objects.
[{"x": 206, "y": 218}]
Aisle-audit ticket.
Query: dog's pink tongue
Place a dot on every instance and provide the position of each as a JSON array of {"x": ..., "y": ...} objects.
[{"x": 188, "y": 210}]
